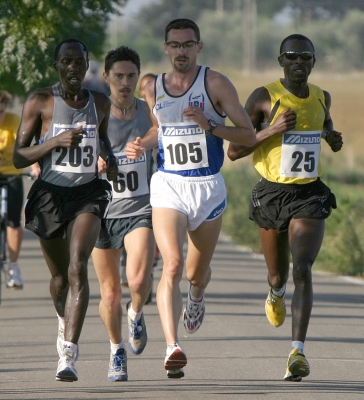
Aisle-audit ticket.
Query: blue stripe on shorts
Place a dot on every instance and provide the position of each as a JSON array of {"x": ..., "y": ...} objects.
[{"x": 217, "y": 211}]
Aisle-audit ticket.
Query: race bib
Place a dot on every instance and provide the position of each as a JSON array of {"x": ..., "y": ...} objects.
[
  {"x": 80, "y": 159},
  {"x": 132, "y": 178},
  {"x": 300, "y": 154},
  {"x": 184, "y": 145}
]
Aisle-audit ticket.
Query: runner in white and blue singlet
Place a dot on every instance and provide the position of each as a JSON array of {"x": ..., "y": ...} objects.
[{"x": 188, "y": 194}]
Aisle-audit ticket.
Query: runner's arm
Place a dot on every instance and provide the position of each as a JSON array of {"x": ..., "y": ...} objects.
[
  {"x": 258, "y": 107},
  {"x": 332, "y": 137},
  {"x": 135, "y": 149}
]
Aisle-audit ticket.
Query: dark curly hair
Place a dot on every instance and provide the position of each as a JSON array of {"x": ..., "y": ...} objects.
[{"x": 122, "y": 53}]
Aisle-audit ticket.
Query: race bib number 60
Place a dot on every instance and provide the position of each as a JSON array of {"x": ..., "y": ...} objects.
[
  {"x": 80, "y": 159},
  {"x": 132, "y": 178}
]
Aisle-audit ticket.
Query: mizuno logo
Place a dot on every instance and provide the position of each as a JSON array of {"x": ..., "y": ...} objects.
[
  {"x": 171, "y": 131},
  {"x": 301, "y": 139}
]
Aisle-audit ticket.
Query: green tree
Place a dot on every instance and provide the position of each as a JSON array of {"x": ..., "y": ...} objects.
[{"x": 30, "y": 29}]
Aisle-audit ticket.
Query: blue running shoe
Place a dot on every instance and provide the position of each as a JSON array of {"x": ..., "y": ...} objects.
[
  {"x": 137, "y": 333},
  {"x": 118, "y": 369}
]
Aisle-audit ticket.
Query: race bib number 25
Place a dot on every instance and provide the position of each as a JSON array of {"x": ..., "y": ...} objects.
[{"x": 300, "y": 154}]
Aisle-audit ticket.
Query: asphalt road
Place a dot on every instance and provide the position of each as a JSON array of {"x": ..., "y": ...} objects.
[{"x": 236, "y": 354}]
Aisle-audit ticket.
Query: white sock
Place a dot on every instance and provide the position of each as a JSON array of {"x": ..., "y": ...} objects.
[
  {"x": 115, "y": 347},
  {"x": 296, "y": 344},
  {"x": 71, "y": 345},
  {"x": 134, "y": 316},
  {"x": 193, "y": 298},
  {"x": 280, "y": 292},
  {"x": 61, "y": 323}
]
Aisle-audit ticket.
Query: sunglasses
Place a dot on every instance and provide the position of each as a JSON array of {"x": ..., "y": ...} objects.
[{"x": 293, "y": 55}]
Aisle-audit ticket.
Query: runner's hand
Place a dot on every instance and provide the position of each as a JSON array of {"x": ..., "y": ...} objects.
[
  {"x": 285, "y": 121},
  {"x": 134, "y": 150},
  {"x": 335, "y": 140},
  {"x": 70, "y": 138},
  {"x": 101, "y": 165}
]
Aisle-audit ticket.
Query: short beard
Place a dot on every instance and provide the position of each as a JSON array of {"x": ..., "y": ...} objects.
[{"x": 184, "y": 68}]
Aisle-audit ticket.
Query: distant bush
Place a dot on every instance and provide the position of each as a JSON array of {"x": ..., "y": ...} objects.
[
  {"x": 236, "y": 222},
  {"x": 343, "y": 247}
]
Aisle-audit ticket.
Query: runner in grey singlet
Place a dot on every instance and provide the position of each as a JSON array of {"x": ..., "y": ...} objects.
[{"x": 126, "y": 202}]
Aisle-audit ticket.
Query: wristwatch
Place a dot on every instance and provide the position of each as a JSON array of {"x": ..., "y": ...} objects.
[{"x": 212, "y": 124}]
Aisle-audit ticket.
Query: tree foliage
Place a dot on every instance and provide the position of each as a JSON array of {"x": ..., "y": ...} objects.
[
  {"x": 30, "y": 30},
  {"x": 336, "y": 31}
]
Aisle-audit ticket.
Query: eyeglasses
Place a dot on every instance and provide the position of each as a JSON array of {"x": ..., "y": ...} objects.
[
  {"x": 186, "y": 45},
  {"x": 293, "y": 55}
]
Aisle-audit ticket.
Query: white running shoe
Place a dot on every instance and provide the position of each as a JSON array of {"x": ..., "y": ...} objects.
[
  {"x": 13, "y": 276},
  {"x": 66, "y": 370},
  {"x": 175, "y": 357},
  {"x": 193, "y": 314}
]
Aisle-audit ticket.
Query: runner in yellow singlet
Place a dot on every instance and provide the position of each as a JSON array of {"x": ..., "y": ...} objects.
[{"x": 290, "y": 203}]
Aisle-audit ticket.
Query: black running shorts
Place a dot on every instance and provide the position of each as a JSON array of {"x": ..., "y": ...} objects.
[
  {"x": 273, "y": 205},
  {"x": 112, "y": 235},
  {"x": 49, "y": 208}
]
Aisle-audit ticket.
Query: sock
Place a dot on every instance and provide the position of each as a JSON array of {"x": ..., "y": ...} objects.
[
  {"x": 115, "y": 347},
  {"x": 193, "y": 298},
  {"x": 61, "y": 323},
  {"x": 72, "y": 346},
  {"x": 134, "y": 316},
  {"x": 296, "y": 344},
  {"x": 280, "y": 292}
]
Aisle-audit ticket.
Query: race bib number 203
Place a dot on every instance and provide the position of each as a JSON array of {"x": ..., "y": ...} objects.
[{"x": 80, "y": 159}]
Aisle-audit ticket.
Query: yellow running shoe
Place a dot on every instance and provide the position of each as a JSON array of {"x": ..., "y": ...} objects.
[
  {"x": 297, "y": 366},
  {"x": 275, "y": 309}
]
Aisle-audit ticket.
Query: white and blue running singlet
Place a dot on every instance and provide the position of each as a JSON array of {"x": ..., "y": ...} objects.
[{"x": 183, "y": 147}]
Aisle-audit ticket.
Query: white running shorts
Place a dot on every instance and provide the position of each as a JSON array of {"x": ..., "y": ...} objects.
[{"x": 201, "y": 198}]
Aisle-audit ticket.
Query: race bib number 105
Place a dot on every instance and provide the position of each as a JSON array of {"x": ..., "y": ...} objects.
[
  {"x": 80, "y": 159},
  {"x": 184, "y": 146}
]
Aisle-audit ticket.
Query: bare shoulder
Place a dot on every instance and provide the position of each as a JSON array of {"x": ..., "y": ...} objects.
[
  {"x": 259, "y": 94},
  {"x": 216, "y": 80},
  {"x": 150, "y": 87},
  {"x": 327, "y": 98},
  {"x": 40, "y": 95}
]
